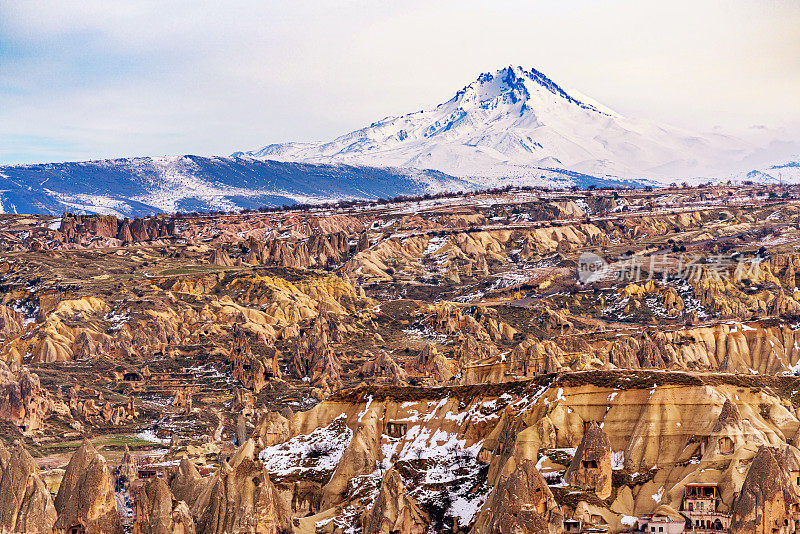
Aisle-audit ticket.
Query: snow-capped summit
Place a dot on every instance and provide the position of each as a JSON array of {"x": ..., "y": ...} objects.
[{"x": 518, "y": 123}]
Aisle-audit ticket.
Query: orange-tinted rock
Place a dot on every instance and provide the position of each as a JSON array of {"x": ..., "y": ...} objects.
[
  {"x": 23, "y": 402},
  {"x": 394, "y": 510},
  {"x": 520, "y": 504},
  {"x": 767, "y": 499},
  {"x": 86, "y": 497},
  {"x": 591, "y": 466},
  {"x": 158, "y": 512},
  {"x": 25, "y": 502},
  {"x": 241, "y": 499}
]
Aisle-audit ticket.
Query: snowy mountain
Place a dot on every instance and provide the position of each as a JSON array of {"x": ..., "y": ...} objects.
[
  {"x": 774, "y": 174},
  {"x": 141, "y": 186},
  {"x": 514, "y": 126},
  {"x": 516, "y": 123}
]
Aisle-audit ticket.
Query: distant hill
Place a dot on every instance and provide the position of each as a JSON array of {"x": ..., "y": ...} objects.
[{"x": 140, "y": 186}]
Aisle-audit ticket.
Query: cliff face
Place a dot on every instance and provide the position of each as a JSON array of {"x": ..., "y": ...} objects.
[
  {"x": 590, "y": 469},
  {"x": 86, "y": 495},
  {"x": 23, "y": 402},
  {"x": 79, "y": 229},
  {"x": 394, "y": 510},
  {"x": 768, "y": 499},
  {"x": 25, "y": 502},
  {"x": 730, "y": 348},
  {"x": 671, "y": 430},
  {"x": 241, "y": 498},
  {"x": 520, "y": 504},
  {"x": 157, "y": 511}
]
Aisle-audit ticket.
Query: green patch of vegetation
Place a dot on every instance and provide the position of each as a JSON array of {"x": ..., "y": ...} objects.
[
  {"x": 112, "y": 441},
  {"x": 193, "y": 269}
]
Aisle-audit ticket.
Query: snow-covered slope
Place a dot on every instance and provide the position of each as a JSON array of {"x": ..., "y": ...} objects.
[
  {"x": 515, "y": 123},
  {"x": 139, "y": 186},
  {"x": 787, "y": 173}
]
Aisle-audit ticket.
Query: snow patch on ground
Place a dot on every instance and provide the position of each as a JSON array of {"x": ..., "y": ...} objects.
[{"x": 319, "y": 451}]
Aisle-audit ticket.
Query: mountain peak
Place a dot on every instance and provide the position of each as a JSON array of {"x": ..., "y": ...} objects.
[
  {"x": 518, "y": 123},
  {"x": 515, "y": 84}
]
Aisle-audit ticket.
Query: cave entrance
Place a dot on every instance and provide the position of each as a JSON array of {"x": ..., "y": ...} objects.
[{"x": 396, "y": 430}]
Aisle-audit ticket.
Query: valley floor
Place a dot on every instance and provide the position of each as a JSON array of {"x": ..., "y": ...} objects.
[{"x": 513, "y": 361}]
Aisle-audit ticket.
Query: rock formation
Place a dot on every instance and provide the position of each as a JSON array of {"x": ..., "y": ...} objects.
[
  {"x": 10, "y": 322},
  {"x": 81, "y": 228},
  {"x": 157, "y": 511},
  {"x": 271, "y": 429},
  {"x": 86, "y": 499},
  {"x": 591, "y": 466},
  {"x": 241, "y": 499},
  {"x": 520, "y": 504},
  {"x": 394, "y": 510},
  {"x": 768, "y": 500},
  {"x": 186, "y": 483},
  {"x": 312, "y": 358},
  {"x": 432, "y": 365},
  {"x": 254, "y": 372},
  {"x": 127, "y": 472},
  {"x": 23, "y": 402},
  {"x": 220, "y": 258},
  {"x": 382, "y": 368},
  {"x": 25, "y": 502}
]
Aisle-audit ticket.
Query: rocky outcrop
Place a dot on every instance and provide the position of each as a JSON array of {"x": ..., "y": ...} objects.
[
  {"x": 382, "y": 369},
  {"x": 81, "y": 228},
  {"x": 220, "y": 258},
  {"x": 127, "y": 472},
  {"x": 271, "y": 429},
  {"x": 768, "y": 498},
  {"x": 312, "y": 358},
  {"x": 734, "y": 437},
  {"x": 280, "y": 252},
  {"x": 151, "y": 228},
  {"x": 5, "y": 456},
  {"x": 86, "y": 497},
  {"x": 320, "y": 250},
  {"x": 124, "y": 234},
  {"x": 158, "y": 512},
  {"x": 472, "y": 351},
  {"x": 326, "y": 250},
  {"x": 25, "y": 502},
  {"x": 520, "y": 504},
  {"x": 241, "y": 499},
  {"x": 186, "y": 483},
  {"x": 23, "y": 402},
  {"x": 253, "y": 372},
  {"x": 591, "y": 466},
  {"x": 359, "y": 458},
  {"x": 434, "y": 367},
  {"x": 532, "y": 357},
  {"x": 394, "y": 510},
  {"x": 10, "y": 322}
]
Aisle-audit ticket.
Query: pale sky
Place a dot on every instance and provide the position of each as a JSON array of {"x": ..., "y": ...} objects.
[{"x": 94, "y": 79}]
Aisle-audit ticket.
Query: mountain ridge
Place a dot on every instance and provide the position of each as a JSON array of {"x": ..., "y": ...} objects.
[
  {"x": 145, "y": 185},
  {"x": 514, "y": 122},
  {"x": 510, "y": 127}
]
